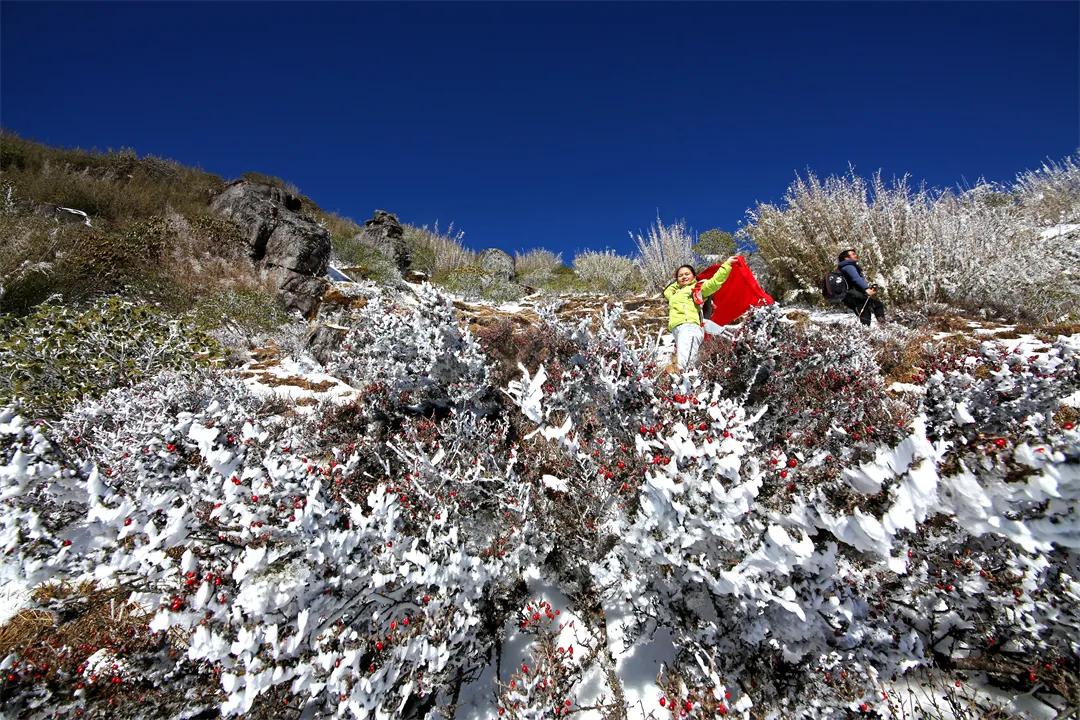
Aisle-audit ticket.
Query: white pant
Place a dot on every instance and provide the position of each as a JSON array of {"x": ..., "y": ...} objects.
[{"x": 688, "y": 338}]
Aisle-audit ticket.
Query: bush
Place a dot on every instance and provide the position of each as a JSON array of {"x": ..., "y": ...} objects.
[
  {"x": 435, "y": 252},
  {"x": 537, "y": 267},
  {"x": 662, "y": 250},
  {"x": 823, "y": 392},
  {"x": 57, "y": 354},
  {"x": 1050, "y": 195},
  {"x": 607, "y": 272},
  {"x": 472, "y": 281},
  {"x": 363, "y": 261},
  {"x": 240, "y": 318},
  {"x": 986, "y": 246},
  {"x": 716, "y": 243}
]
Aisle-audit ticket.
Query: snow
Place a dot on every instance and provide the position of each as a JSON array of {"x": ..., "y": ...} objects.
[{"x": 1058, "y": 231}]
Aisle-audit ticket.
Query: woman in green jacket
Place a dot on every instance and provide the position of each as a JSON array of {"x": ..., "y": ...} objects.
[{"x": 684, "y": 309}]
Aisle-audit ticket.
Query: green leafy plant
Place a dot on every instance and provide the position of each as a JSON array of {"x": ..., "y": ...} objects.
[{"x": 52, "y": 357}]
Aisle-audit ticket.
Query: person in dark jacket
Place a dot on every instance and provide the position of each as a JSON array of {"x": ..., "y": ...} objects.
[{"x": 861, "y": 296}]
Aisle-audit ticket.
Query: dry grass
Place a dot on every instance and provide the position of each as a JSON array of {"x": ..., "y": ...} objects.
[
  {"x": 537, "y": 265},
  {"x": 901, "y": 357},
  {"x": 72, "y": 622},
  {"x": 1066, "y": 415},
  {"x": 949, "y": 323},
  {"x": 437, "y": 252},
  {"x": 114, "y": 187}
]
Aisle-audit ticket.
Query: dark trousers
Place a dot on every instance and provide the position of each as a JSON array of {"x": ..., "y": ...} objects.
[{"x": 864, "y": 306}]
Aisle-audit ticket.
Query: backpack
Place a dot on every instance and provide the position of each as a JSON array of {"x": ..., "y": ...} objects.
[{"x": 834, "y": 286}]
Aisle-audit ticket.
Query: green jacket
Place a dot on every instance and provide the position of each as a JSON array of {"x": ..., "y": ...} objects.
[{"x": 681, "y": 306}]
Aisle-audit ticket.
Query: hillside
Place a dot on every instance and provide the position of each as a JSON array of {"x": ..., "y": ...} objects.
[
  {"x": 418, "y": 503},
  {"x": 813, "y": 525}
]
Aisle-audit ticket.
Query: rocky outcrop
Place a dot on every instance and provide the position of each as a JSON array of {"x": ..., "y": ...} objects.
[
  {"x": 384, "y": 233},
  {"x": 291, "y": 250},
  {"x": 497, "y": 263}
]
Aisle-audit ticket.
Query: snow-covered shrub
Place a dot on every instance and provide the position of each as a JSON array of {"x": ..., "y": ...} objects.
[
  {"x": 662, "y": 250},
  {"x": 537, "y": 266},
  {"x": 821, "y": 390},
  {"x": 811, "y": 604},
  {"x": 53, "y": 356},
  {"x": 417, "y": 358},
  {"x": 607, "y": 271},
  {"x": 265, "y": 581},
  {"x": 508, "y": 345},
  {"x": 473, "y": 282},
  {"x": 1050, "y": 195},
  {"x": 986, "y": 246}
]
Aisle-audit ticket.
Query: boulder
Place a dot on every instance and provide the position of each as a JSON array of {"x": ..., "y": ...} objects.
[
  {"x": 297, "y": 292},
  {"x": 323, "y": 339},
  {"x": 497, "y": 263},
  {"x": 385, "y": 234},
  {"x": 292, "y": 250}
]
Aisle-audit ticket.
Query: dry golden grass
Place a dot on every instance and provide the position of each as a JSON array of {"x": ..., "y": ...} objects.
[
  {"x": 71, "y": 623},
  {"x": 949, "y": 323},
  {"x": 901, "y": 357}
]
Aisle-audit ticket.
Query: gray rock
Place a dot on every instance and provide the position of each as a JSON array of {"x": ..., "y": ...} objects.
[
  {"x": 497, "y": 263},
  {"x": 385, "y": 234},
  {"x": 323, "y": 339},
  {"x": 296, "y": 291},
  {"x": 291, "y": 249}
]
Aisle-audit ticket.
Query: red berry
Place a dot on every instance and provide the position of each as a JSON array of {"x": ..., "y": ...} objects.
[
  {"x": 66, "y": 543},
  {"x": 863, "y": 707},
  {"x": 379, "y": 646},
  {"x": 783, "y": 473},
  {"x": 791, "y": 462},
  {"x": 663, "y": 702},
  {"x": 1000, "y": 442}
]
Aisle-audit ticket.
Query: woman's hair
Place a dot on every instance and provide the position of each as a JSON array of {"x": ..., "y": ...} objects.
[{"x": 688, "y": 267}]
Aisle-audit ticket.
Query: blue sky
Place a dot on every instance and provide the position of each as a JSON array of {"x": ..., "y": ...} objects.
[{"x": 557, "y": 125}]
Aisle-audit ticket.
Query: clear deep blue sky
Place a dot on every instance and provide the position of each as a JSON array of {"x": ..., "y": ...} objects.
[{"x": 557, "y": 125}]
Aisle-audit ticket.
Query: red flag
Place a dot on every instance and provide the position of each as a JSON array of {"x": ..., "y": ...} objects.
[{"x": 739, "y": 293}]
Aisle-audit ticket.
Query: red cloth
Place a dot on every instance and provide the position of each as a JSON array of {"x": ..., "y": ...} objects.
[{"x": 738, "y": 294}]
